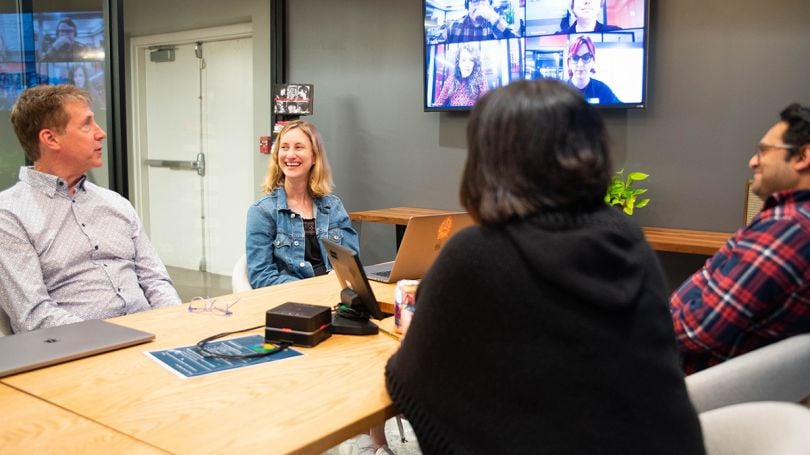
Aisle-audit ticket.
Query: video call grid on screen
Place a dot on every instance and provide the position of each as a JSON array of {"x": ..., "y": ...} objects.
[
  {"x": 25, "y": 61},
  {"x": 540, "y": 37}
]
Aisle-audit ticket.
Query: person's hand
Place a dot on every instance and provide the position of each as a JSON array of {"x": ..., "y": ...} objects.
[
  {"x": 61, "y": 42},
  {"x": 487, "y": 13}
]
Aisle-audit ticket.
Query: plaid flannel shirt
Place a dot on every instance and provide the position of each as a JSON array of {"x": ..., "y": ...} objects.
[
  {"x": 752, "y": 292},
  {"x": 467, "y": 30}
]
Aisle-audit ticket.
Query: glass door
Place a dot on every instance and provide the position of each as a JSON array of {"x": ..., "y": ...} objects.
[{"x": 50, "y": 43}]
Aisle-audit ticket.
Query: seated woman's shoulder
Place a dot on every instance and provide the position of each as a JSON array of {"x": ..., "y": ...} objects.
[
  {"x": 269, "y": 200},
  {"x": 332, "y": 199}
]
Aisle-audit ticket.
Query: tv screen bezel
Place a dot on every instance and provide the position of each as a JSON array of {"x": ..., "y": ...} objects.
[{"x": 643, "y": 104}]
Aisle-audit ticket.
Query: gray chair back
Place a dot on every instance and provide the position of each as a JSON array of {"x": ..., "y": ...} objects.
[
  {"x": 777, "y": 372},
  {"x": 759, "y": 428}
]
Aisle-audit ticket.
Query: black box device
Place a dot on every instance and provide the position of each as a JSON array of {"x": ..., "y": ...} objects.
[{"x": 298, "y": 323}]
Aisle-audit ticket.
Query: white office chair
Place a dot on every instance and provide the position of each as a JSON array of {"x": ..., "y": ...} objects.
[
  {"x": 759, "y": 428},
  {"x": 239, "y": 279},
  {"x": 777, "y": 372},
  {"x": 5, "y": 324}
]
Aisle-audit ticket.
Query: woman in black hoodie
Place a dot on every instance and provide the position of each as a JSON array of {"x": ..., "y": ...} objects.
[{"x": 544, "y": 329}]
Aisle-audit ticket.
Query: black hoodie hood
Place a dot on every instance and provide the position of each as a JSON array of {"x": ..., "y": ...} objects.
[{"x": 597, "y": 257}]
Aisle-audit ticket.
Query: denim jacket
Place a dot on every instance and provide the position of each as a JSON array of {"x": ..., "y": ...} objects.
[{"x": 275, "y": 237}]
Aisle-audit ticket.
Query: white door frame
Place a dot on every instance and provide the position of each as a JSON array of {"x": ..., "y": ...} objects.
[{"x": 139, "y": 47}]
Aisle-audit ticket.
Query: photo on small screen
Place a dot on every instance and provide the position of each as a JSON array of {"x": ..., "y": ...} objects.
[
  {"x": 293, "y": 99},
  {"x": 608, "y": 69},
  {"x": 461, "y": 73},
  {"x": 52, "y": 48},
  {"x": 69, "y": 36}
]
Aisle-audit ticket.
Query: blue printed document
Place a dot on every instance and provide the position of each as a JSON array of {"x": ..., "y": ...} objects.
[{"x": 188, "y": 361}]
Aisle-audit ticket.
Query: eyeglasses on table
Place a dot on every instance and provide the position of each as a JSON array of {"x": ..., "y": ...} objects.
[{"x": 212, "y": 305}]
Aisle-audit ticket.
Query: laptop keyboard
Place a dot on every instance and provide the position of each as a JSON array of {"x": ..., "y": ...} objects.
[{"x": 383, "y": 273}]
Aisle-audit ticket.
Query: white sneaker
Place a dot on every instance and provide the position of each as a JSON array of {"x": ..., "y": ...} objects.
[
  {"x": 349, "y": 447},
  {"x": 365, "y": 445}
]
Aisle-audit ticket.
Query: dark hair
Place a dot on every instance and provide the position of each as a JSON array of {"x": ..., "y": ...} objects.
[
  {"x": 476, "y": 78},
  {"x": 467, "y": 4},
  {"x": 69, "y": 22},
  {"x": 43, "y": 107},
  {"x": 534, "y": 145},
  {"x": 798, "y": 133}
]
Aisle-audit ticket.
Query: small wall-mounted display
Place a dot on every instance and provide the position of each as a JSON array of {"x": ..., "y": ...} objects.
[{"x": 293, "y": 99}]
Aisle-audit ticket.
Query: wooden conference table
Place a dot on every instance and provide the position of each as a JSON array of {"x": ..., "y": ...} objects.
[
  {"x": 31, "y": 425},
  {"x": 123, "y": 401},
  {"x": 661, "y": 239}
]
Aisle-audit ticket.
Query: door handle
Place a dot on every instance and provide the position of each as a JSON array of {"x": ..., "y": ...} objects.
[{"x": 180, "y": 165}]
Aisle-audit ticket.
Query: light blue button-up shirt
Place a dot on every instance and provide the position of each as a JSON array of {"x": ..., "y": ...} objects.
[{"x": 67, "y": 258}]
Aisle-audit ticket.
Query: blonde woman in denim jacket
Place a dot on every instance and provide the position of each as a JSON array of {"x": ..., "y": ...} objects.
[{"x": 285, "y": 226}]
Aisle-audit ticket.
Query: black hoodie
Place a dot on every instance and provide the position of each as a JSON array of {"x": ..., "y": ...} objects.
[{"x": 545, "y": 335}]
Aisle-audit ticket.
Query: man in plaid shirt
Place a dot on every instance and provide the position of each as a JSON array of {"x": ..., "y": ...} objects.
[
  {"x": 482, "y": 22},
  {"x": 756, "y": 289}
]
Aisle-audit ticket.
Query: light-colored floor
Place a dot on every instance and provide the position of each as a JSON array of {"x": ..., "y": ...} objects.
[{"x": 193, "y": 283}]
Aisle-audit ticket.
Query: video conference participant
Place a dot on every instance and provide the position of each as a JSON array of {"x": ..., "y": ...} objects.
[
  {"x": 545, "y": 329},
  {"x": 71, "y": 250},
  {"x": 80, "y": 77},
  {"x": 756, "y": 289},
  {"x": 585, "y": 12},
  {"x": 466, "y": 82},
  {"x": 581, "y": 62},
  {"x": 481, "y": 22},
  {"x": 284, "y": 227},
  {"x": 65, "y": 47}
]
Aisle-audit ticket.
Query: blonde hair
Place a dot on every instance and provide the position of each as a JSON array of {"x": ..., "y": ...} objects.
[{"x": 320, "y": 176}]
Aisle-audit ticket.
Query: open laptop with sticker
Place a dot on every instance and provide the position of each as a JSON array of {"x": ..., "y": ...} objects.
[{"x": 424, "y": 238}]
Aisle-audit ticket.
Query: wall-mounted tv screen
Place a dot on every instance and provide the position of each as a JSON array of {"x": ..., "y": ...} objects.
[{"x": 598, "y": 46}]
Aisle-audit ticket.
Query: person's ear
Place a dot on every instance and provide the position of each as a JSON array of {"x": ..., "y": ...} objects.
[
  {"x": 49, "y": 138},
  {"x": 802, "y": 159}
]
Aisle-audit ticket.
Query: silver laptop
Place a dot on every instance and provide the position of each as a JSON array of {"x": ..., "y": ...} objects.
[
  {"x": 40, "y": 348},
  {"x": 424, "y": 238}
]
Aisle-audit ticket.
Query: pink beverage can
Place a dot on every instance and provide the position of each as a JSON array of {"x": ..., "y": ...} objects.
[{"x": 404, "y": 304}]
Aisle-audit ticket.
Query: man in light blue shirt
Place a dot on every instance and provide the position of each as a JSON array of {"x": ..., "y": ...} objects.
[{"x": 70, "y": 250}]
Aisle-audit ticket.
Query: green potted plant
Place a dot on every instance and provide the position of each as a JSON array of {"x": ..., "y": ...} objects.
[{"x": 620, "y": 191}]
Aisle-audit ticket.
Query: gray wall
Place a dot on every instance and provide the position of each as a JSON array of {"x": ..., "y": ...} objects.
[{"x": 719, "y": 73}]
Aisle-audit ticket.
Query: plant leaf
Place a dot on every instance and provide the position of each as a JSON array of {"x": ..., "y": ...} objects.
[
  {"x": 642, "y": 203},
  {"x": 637, "y": 176}
]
